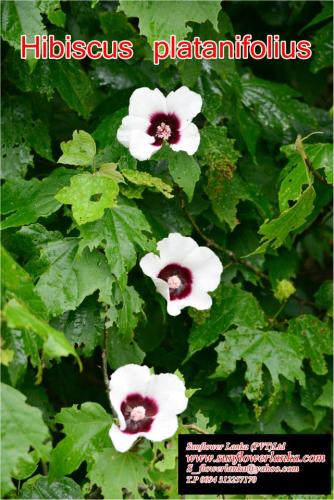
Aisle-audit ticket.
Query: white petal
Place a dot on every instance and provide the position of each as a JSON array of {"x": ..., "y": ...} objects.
[
  {"x": 131, "y": 124},
  {"x": 175, "y": 248},
  {"x": 140, "y": 145},
  {"x": 162, "y": 288},
  {"x": 169, "y": 392},
  {"x": 121, "y": 440},
  {"x": 127, "y": 379},
  {"x": 162, "y": 428},
  {"x": 173, "y": 307},
  {"x": 206, "y": 268},
  {"x": 144, "y": 102},
  {"x": 199, "y": 299},
  {"x": 185, "y": 103},
  {"x": 150, "y": 265},
  {"x": 189, "y": 140}
]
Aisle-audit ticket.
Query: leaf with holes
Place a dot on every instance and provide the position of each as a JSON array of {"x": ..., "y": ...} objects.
[{"x": 89, "y": 196}]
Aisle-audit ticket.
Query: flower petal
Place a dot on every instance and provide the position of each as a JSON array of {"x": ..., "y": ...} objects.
[
  {"x": 150, "y": 265},
  {"x": 174, "y": 307},
  {"x": 144, "y": 102},
  {"x": 205, "y": 267},
  {"x": 130, "y": 124},
  {"x": 162, "y": 287},
  {"x": 189, "y": 140},
  {"x": 162, "y": 428},
  {"x": 185, "y": 103},
  {"x": 199, "y": 299},
  {"x": 121, "y": 440},
  {"x": 175, "y": 248},
  {"x": 140, "y": 145},
  {"x": 169, "y": 393},
  {"x": 126, "y": 380}
]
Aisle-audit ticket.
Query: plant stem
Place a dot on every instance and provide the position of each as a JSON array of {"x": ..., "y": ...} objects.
[
  {"x": 195, "y": 428},
  {"x": 214, "y": 244},
  {"x": 279, "y": 310},
  {"x": 105, "y": 362},
  {"x": 308, "y": 165}
]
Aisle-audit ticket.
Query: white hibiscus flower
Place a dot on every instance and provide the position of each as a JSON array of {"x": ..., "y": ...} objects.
[
  {"x": 184, "y": 273},
  {"x": 146, "y": 405},
  {"x": 154, "y": 119}
]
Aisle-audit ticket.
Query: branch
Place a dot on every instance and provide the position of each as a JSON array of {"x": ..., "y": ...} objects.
[
  {"x": 195, "y": 428},
  {"x": 105, "y": 362},
  {"x": 213, "y": 244}
]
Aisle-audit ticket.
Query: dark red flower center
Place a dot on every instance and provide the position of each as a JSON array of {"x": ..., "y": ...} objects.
[
  {"x": 179, "y": 280},
  {"x": 138, "y": 412},
  {"x": 164, "y": 127}
]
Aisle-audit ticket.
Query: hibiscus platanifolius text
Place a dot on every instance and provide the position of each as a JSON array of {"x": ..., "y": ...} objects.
[
  {"x": 183, "y": 273},
  {"x": 154, "y": 119},
  {"x": 146, "y": 405}
]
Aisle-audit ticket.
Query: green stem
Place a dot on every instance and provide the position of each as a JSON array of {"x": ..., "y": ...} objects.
[{"x": 195, "y": 428}]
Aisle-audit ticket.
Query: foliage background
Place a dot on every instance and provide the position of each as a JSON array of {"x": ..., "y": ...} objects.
[{"x": 259, "y": 361}]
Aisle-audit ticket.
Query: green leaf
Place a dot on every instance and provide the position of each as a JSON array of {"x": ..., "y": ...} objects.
[
  {"x": 19, "y": 18},
  {"x": 276, "y": 109},
  {"x": 52, "y": 8},
  {"x": 15, "y": 279},
  {"x": 157, "y": 22},
  {"x": 275, "y": 232},
  {"x": 317, "y": 339},
  {"x": 114, "y": 471},
  {"x": 321, "y": 157},
  {"x": 89, "y": 196},
  {"x": 183, "y": 168},
  {"x": 55, "y": 345},
  {"x": 233, "y": 306},
  {"x": 224, "y": 189},
  {"x": 83, "y": 327},
  {"x": 146, "y": 179},
  {"x": 74, "y": 86},
  {"x": 40, "y": 487},
  {"x": 71, "y": 276},
  {"x": 169, "y": 451},
  {"x": 122, "y": 351},
  {"x": 21, "y": 133},
  {"x": 26, "y": 466},
  {"x": 20, "y": 74},
  {"x": 326, "y": 13},
  {"x": 203, "y": 423},
  {"x": 86, "y": 430},
  {"x": 297, "y": 173},
  {"x": 323, "y": 48},
  {"x": 296, "y": 176},
  {"x": 324, "y": 297},
  {"x": 106, "y": 131},
  {"x": 279, "y": 352},
  {"x": 81, "y": 150},
  {"x": 27, "y": 201},
  {"x": 127, "y": 307},
  {"x": 22, "y": 428},
  {"x": 326, "y": 397},
  {"x": 6, "y": 355},
  {"x": 120, "y": 232},
  {"x": 23, "y": 344},
  {"x": 217, "y": 151}
]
